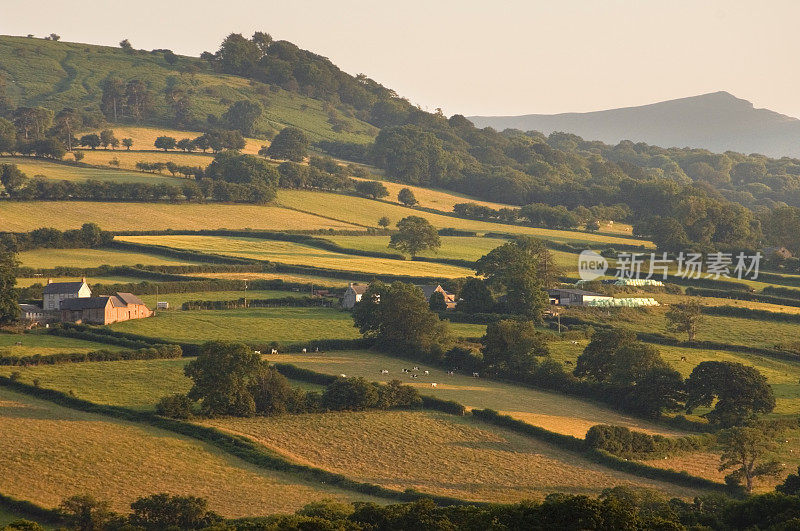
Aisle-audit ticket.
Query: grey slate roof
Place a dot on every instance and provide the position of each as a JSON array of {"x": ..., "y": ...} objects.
[
  {"x": 55, "y": 288},
  {"x": 129, "y": 298},
  {"x": 85, "y": 303}
]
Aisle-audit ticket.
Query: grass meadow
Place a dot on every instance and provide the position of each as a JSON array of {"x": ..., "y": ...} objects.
[
  {"x": 366, "y": 212},
  {"x": 434, "y": 453},
  {"x": 257, "y": 325},
  {"x": 89, "y": 258},
  {"x": 300, "y": 254},
  {"x": 25, "y": 216},
  {"x": 68, "y": 172},
  {"x": 552, "y": 411},
  {"x": 23, "y": 282},
  {"x": 45, "y": 344},
  {"x": 285, "y": 277},
  {"x": 128, "y": 159},
  {"x": 50, "y": 453}
]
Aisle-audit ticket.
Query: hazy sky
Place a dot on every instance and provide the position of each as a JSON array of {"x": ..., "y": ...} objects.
[{"x": 481, "y": 57}]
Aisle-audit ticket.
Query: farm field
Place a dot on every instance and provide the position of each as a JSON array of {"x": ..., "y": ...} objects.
[
  {"x": 144, "y": 137},
  {"x": 285, "y": 277},
  {"x": 366, "y": 212},
  {"x": 257, "y": 325},
  {"x": 434, "y": 453},
  {"x": 443, "y": 200},
  {"x": 23, "y": 282},
  {"x": 51, "y": 452},
  {"x": 128, "y": 159},
  {"x": 68, "y": 172},
  {"x": 455, "y": 247},
  {"x": 28, "y": 215},
  {"x": 90, "y": 258},
  {"x": 299, "y": 254},
  {"x": 733, "y": 330},
  {"x": 46, "y": 344},
  {"x": 175, "y": 300},
  {"x": 555, "y": 412}
]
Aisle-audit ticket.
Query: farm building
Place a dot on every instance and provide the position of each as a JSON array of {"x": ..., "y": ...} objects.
[
  {"x": 575, "y": 297},
  {"x": 353, "y": 295},
  {"x": 31, "y": 313},
  {"x": 56, "y": 292},
  {"x": 429, "y": 289},
  {"x": 104, "y": 310}
]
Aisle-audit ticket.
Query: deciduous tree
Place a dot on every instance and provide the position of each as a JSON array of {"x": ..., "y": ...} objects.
[{"x": 414, "y": 234}]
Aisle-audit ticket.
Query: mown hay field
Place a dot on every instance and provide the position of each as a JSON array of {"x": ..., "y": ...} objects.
[
  {"x": 28, "y": 215},
  {"x": 553, "y": 411},
  {"x": 367, "y": 212},
  {"x": 257, "y": 325},
  {"x": 434, "y": 453},
  {"x": 69, "y": 172},
  {"x": 46, "y": 344},
  {"x": 456, "y": 247},
  {"x": 51, "y": 258},
  {"x": 443, "y": 200},
  {"x": 51, "y": 452},
  {"x": 299, "y": 254}
]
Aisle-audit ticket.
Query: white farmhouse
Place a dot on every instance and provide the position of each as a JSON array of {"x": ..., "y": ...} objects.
[{"x": 55, "y": 292}]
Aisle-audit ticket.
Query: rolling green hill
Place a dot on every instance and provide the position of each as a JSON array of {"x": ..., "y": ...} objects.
[{"x": 56, "y": 74}]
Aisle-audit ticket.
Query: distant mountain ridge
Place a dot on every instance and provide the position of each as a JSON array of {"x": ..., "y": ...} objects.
[{"x": 718, "y": 121}]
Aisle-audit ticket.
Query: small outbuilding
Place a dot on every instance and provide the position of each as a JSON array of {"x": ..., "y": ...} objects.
[{"x": 575, "y": 297}]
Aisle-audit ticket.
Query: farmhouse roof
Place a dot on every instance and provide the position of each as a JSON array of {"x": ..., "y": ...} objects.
[
  {"x": 359, "y": 289},
  {"x": 30, "y": 308},
  {"x": 85, "y": 303},
  {"x": 129, "y": 298},
  {"x": 55, "y": 288},
  {"x": 573, "y": 291},
  {"x": 428, "y": 289}
]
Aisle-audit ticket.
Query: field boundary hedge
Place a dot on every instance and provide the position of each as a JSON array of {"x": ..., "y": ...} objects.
[
  {"x": 601, "y": 457},
  {"x": 275, "y": 302},
  {"x": 238, "y": 446},
  {"x": 31, "y": 510},
  {"x": 157, "y": 352},
  {"x": 276, "y": 267}
]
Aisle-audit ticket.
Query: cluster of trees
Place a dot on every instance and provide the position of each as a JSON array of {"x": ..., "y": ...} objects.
[
  {"x": 175, "y": 169},
  {"x": 543, "y": 215},
  {"x": 398, "y": 317},
  {"x": 9, "y": 310},
  {"x": 106, "y": 139},
  {"x": 231, "y": 379},
  {"x": 88, "y": 236},
  {"x": 617, "y": 359},
  {"x": 214, "y": 139},
  {"x": 621, "y": 507}
]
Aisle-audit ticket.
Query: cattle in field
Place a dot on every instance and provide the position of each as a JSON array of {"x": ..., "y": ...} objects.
[{"x": 274, "y": 351}]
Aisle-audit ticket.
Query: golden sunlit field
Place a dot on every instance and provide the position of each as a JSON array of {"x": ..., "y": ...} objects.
[
  {"x": 299, "y": 254},
  {"x": 63, "y": 215},
  {"x": 434, "y": 453},
  {"x": 50, "y": 453}
]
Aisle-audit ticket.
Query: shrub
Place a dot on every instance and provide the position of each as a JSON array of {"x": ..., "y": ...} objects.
[{"x": 177, "y": 406}]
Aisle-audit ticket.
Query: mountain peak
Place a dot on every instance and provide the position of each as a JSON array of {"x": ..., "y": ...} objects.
[{"x": 718, "y": 121}]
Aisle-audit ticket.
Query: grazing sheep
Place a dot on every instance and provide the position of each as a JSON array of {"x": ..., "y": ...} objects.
[
  {"x": 427, "y": 372},
  {"x": 304, "y": 350},
  {"x": 415, "y": 369},
  {"x": 384, "y": 371},
  {"x": 451, "y": 373},
  {"x": 683, "y": 358},
  {"x": 342, "y": 376},
  {"x": 574, "y": 342},
  {"x": 257, "y": 352},
  {"x": 274, "y": 351},
  {"x": 475, "y": 375},
  {"x": 433, "y": 384}
]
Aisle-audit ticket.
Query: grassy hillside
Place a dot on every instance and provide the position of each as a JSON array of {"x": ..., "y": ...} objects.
[
  {"x": 434, "y": 453},
  {"x": 299, "y": 254},
  {"x": 44, "y": 344},
  {"x": 29, "y": 215},
  {"x": 257, "y": 325},
  {"x": 50, "y": 258},
  {"x": 61, "y": 74},
  {"x": 50, "y": 453}
]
